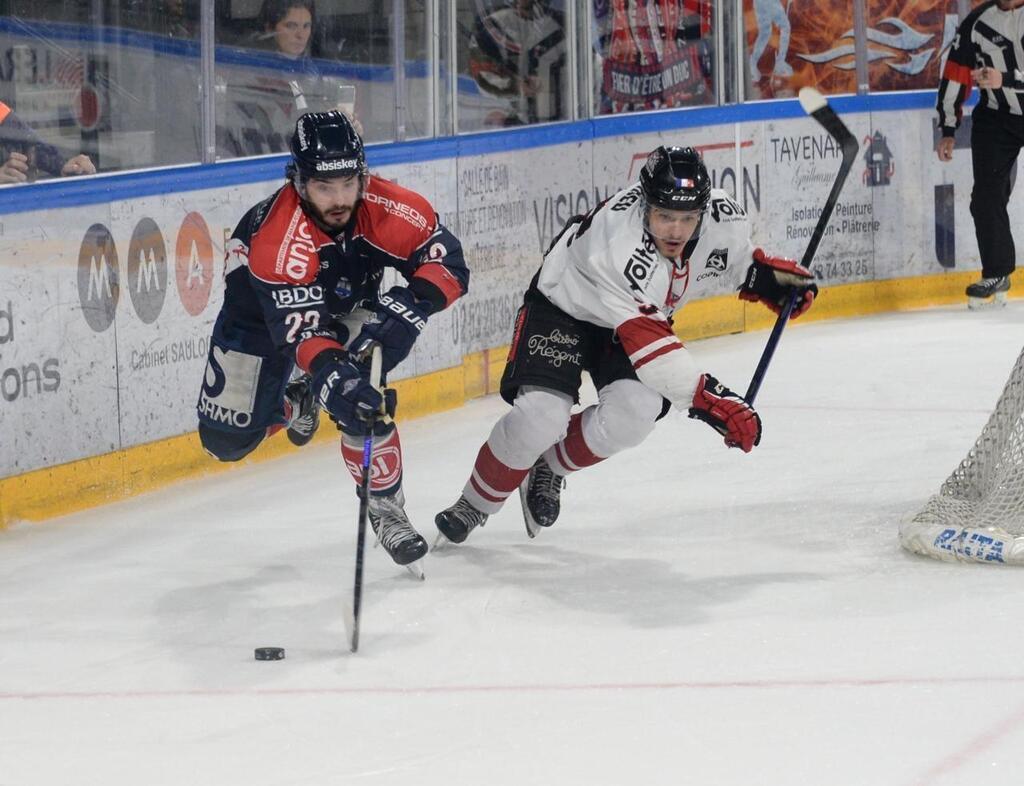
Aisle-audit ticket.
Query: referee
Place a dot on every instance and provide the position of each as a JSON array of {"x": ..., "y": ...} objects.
[{"x": 988, "y": 50}]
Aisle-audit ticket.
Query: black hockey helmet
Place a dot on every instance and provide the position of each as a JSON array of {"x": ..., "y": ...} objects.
[
  {"x": 675, "y": 178},
  {"x": 325, "y": 145}
]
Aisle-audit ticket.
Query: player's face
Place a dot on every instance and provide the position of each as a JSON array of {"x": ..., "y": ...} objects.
[
  {"x": 333, "y": 200},
  {"x": 672, "y": 229},
  {"x": 1009, "y": 5}
]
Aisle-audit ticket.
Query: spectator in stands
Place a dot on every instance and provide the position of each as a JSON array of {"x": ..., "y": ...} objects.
[
  {"x": 264, "y": 107},
  {"x": 29, "y": 158},
  {"x": 287, "y": 26},
  {"x": 642, "y": 43},
  {"x": 518, "y": 53}
]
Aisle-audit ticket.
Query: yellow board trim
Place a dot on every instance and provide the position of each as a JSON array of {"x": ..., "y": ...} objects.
[{"x": 90, "y": 482}]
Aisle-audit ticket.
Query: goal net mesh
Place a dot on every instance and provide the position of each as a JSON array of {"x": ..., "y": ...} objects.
[{"x": 978, "y": 514}]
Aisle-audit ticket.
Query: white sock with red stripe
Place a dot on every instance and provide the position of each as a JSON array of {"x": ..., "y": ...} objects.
[
  {"x": 492, "y": 481},
  {"x": 386, "y": 467},
  {"x": 573, "y": 453},
  {"x": 536, "y": 421}
]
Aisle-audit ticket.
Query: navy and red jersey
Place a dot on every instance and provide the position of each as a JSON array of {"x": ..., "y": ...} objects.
[{"x": 289, "y": 285}]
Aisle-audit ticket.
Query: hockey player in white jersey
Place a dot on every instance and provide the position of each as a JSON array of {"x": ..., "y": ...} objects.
[{"x": 603, "y": 302}]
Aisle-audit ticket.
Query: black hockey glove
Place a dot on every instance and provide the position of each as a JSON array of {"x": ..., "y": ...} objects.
[
  {"x": 771, "y": 280},
  {"x": 397, "y": 322},
  {"x": 344, "y": 390}
]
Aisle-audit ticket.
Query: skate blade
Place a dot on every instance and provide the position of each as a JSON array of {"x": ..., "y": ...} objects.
[
  {"x": 532, "y": 527},
  {"x": 441, "y": 543},
  {"x": 416, "y": 570},
  {"x": 998, "y": 300}
]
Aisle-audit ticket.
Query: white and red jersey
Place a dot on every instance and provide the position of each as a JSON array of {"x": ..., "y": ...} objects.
[{"x": 607, "y": 270}]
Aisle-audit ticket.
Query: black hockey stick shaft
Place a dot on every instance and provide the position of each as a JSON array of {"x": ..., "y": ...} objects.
[
  {"x": 816, "y": 106},
  {"x": 364, "y": 508}
]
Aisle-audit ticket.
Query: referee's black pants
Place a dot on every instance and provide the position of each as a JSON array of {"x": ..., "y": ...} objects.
[{"x": 996, "y": 140}]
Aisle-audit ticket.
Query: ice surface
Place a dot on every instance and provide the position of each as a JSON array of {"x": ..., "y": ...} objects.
[{"x": 697, "y": 616}]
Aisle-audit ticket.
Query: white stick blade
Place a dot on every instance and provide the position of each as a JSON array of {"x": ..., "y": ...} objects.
[{"x": 811, "y": 100}]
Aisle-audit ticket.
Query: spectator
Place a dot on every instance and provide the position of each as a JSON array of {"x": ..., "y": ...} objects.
[
  {"x": 29, "y": 158},
  {"x": 518, "y": 52},
  {"x": 287, "y": 26},
  {"x": 981, "y": 54},
  {"x": 655, "y": 54},
  {"x": 264, "y": 106}
]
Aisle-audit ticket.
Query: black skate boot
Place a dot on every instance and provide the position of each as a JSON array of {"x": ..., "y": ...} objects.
[
  {"x": 456, "y": 522},
  {"x": 540, "y": 494},
  {"x": 393, "y": 530},
  {"x": 988, "y": 291},
  {"x": 305, "y": 410}
]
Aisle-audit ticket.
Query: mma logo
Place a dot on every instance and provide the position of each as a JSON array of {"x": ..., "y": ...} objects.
[
  {"x": 99, "y": 287},
  {"x": 147, "y": 270},
  {"x": 193, "y": 263}
]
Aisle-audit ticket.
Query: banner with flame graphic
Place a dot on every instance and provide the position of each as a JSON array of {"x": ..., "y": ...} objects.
[{"x": 795, "y": 43}]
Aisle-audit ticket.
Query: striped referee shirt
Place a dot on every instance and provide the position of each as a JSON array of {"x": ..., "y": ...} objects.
[{"x": 987, "y": 37}]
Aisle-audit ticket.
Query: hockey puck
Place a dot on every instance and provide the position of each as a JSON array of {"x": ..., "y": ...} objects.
[{"x": 270, "y": 653}]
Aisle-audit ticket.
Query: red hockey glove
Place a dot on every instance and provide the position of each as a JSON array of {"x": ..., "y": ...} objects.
[
  {"x": 771, "y": 280},
  {"x": 726, "y": 413}
]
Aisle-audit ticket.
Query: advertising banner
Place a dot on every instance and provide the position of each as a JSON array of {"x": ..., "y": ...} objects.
[{"x": 511, "y": 206}]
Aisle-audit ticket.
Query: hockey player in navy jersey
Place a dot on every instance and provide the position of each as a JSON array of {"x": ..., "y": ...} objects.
[
  {"x": 303, "y": 276},
  {"x": 603, "y": 302}
]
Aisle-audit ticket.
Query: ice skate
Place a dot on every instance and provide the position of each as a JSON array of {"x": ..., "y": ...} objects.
[
  {"x": 455, "y": 523},
  {"x": 395, "y": 533},
  {"x": 540, "y": 494},
  {"x": 988, "y": 292},
  {"x": 305, "y": 411}
]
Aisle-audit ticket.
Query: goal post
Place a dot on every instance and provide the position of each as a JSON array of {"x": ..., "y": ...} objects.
[{"x": 978, "y": 513}]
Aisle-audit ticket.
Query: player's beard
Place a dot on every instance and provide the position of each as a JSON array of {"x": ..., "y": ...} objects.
[
  {"x": 1009, "y": 5},
  {"x": 335, "y": 218}
]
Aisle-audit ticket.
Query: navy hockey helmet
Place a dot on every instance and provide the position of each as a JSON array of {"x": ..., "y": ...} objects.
[
  {"x": 325, "y": 145},
  {"x": 675, "y": 178}
]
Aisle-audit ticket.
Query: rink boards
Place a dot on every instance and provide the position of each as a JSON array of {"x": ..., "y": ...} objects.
[{"x": 109, "y": 288}]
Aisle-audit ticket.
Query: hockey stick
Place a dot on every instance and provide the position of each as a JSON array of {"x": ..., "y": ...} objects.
[
  {"x": 364, "y": 508},
  {"x": 816, "y": 106}
]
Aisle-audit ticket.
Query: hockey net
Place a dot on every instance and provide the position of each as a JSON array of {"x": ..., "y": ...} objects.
[{"x": 978, "y": 514}]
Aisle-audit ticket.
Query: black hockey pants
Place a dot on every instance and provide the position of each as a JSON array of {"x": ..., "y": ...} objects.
[{"x": 996, "y": 139}]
